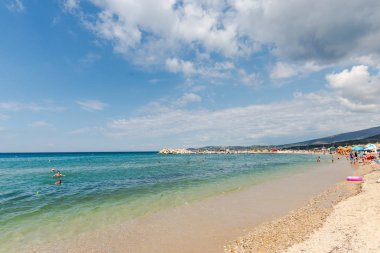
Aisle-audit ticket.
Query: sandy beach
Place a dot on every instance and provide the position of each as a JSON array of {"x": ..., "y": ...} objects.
[
  {"x": 208, "y": 225},
  {"x": 344, "y": 218},
  {"x": 353, "y": 226}
]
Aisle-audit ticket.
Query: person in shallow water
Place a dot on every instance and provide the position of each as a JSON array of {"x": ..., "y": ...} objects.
[
  {"x": 52, "y": 170},
  {"x": 58, "y": 174},
  {"x": 58, "y": 182}
]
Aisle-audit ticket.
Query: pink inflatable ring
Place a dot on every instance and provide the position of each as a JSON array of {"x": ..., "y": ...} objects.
[{"x": 354, "y": 179}]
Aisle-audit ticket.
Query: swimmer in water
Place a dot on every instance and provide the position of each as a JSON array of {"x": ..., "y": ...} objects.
[
  {"x": 58, "y": 182},
  {"x": 52, "y": 170},
  {"x": 58, "y": 174}
]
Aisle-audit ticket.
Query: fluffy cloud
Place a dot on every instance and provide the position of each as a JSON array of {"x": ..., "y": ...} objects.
[
  {"x": 71, "y": 4},
  {"x": 356, "y": 88},
  {"x": 163, "y": 33},
  {"x": 187, "y": 22},
  {"x": 188, "y": 98},
  {"x": 312, "y": 114},
  {"x": 175, "y": 65},
  {"x": 92, "y": 105}
]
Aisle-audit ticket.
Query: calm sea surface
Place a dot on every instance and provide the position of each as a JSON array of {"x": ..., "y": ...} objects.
[{"x": 101, "y": 189}]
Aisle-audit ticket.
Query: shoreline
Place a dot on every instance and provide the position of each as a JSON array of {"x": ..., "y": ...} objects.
[
  {"x": 207, "y": 225},
  {"x": 297, "y": 226}
]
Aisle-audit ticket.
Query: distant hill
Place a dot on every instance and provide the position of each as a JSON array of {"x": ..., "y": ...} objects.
[
  {"x": 369, "y": 135},
  {"x": 361, "y": 136}
]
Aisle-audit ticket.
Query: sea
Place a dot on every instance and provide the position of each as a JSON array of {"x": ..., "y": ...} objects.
[{"x": 102, "y": 189}]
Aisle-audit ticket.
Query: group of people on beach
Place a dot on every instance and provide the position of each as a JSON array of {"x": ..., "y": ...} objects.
[
  {"x": 57, "y": 175},
  {"x": 365, "y": 158},
  {"x": 355, "y": 157}
]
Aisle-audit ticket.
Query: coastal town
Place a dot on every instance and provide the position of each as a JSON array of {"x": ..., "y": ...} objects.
[{"x": 267, "y": 150}]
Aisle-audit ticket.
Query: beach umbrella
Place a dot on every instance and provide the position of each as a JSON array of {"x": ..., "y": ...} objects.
[
  {"x": 370, "y": 146},
  {"x": 357, "y": 148}
]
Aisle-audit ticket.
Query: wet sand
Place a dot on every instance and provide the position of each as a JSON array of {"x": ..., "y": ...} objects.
[{"x": 207, "y": 225}]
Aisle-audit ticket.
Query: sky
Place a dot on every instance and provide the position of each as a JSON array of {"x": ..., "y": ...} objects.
[{"x": 125, "y": 75}]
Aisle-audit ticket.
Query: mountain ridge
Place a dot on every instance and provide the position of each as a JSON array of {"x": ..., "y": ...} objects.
[
  {"x": 343, "y": 137},
  {"x": 349, "y": 138}
]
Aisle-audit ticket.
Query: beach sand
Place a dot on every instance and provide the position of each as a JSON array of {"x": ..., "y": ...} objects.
[
  {"x": 353, "y": 226},
  {"x": 344, "y": 218},
  {"x": 206, "y": 226}
]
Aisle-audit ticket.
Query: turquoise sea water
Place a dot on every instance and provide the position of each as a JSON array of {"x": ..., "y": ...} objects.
[{"x": 101, "y": 189}]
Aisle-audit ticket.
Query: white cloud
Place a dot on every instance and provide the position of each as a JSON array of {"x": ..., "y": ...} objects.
[
  {"x": 160, "y": 32},
  {"x": 283, "y": 70},
  {"x": 71, "y": 4},
  {"x": 313, "y": 114},
  {"x": 350, "y": 79},
  {"x": 92, "y": 105},
  {"x": 175, "y": 65},
  {"x": 188, "y": 98},
  {"x": 170, "y": 22},
  {"x": 356, "y": 88},
  {"x": 15, "y": 5}
]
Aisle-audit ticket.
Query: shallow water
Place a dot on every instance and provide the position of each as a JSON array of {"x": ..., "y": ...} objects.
[{"x": 101, "y": 189}]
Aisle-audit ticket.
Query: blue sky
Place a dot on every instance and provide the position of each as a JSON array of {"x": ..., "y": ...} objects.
[{"x": 124, "y": 75}]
